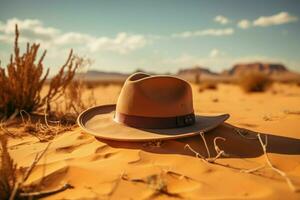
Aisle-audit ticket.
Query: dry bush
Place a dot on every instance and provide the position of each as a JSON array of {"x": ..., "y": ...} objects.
[
  {"x": 74, "y": 102},
  {"x": 197, "y": 78},
  {"x": 22, "y": 80},
  {"x": 8, "y": 170},
  {"x": 255, "y": 82},
  {"x": 209, "y": 85}
]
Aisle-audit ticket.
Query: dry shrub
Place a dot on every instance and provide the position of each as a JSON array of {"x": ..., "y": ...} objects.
[
  {"x": 197, "y": 78},
  {"x": 255, "y": 82},
  {"x": 209, "y": 85},
  {"x": 22, "y": 80},
  {"x": 8, "y": 173}
]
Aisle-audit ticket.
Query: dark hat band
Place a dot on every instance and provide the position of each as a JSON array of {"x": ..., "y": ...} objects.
[{"x": 155, "y": 122}]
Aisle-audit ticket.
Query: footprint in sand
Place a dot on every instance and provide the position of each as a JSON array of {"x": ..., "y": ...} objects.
[
  {"x": 103, "y": 156},
  {"x": 103, "y": 152},
  {"x": 72, "y": 147}
]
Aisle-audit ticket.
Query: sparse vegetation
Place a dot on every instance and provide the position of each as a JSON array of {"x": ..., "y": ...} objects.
[
  {"x": 197, "y": 78},
  {"x": 209, "y": 85},
  {"x": 255, "y": 82},
  {"x": 22, "y": 80}
]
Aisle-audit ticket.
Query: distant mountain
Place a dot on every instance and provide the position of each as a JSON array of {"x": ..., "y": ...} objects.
[
  {"x": 198, "y": 73},
  {"x": 267, "y": 68},
  {"x": 195, "y": 70},
  {"x": 94, "y": 75}
]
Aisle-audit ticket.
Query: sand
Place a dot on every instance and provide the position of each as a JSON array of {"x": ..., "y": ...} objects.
[{"x": 100, "y": 169}]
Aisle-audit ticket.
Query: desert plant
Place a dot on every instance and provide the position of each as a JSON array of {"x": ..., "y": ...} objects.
[
  {"x": 7, "y": 171},
  {"x": 209, "y": 85},
  {"x": 255, "y": 82},
  {"x": 22, "y": 80},
  {"x": 197, "y": 78}
]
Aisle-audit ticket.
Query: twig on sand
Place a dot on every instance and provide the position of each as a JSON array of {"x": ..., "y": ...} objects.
[
  {"x": 203, "y": 138},
  {"x": 46, "y": 193},
  {"x": 281, "y": 173},
  {"x": 217, "y": 149},
  {"x": 34, "y": 163},
  {"x": 243, "y": 133},
  {"x": 222, "y": 153},
  {"x": 156, "y": 182},
  {"x": 270, "y": 165},
  {"x": 253, "y": 170}
]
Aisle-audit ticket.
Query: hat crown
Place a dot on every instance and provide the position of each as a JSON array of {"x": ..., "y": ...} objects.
[{"x": 155, "y": 96}]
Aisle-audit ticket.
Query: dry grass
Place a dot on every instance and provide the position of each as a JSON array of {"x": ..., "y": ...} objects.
[
  {"x": 22, "y": 80},
  {"x": 209, "y": 85},
  {"x": 8, "y": 171},
  {"x": 74, "y": 99},
  {"x": 45, "y": 129},
  {"x": 156, "y": 182},
  {"x": 12, "y": 179},
  {"x": 255, "y": 82},
  {"x": 197, "y": 78}
]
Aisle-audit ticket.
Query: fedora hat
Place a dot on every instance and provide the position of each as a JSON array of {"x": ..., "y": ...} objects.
[{"x": 149, "y": 108}]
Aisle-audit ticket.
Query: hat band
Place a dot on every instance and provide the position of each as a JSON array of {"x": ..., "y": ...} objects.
[{"x": 155, "y": 122}]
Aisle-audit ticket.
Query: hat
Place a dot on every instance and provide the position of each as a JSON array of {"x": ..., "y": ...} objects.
[{"x": 149, "y": 107}]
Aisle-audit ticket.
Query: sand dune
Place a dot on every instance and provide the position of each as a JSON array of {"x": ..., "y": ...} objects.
[{"x": 102, "y": 169}]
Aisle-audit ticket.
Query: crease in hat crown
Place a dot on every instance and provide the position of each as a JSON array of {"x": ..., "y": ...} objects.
[{"x": 155, "y": 96}]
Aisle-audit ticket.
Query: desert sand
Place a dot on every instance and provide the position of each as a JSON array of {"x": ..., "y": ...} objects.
[{"x": 100, "y": 169}]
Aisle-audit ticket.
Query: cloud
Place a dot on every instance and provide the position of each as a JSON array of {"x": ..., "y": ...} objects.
[
  {"x": 33, "y": 30},
  {"x": 221, "y": 19},
  {"x": 122, "y": 43},
  {"x": 214, "y": 53},
  {"x": 244, "y": 24},
  {"x": 205, "y": 32},
  {"x": 280, "y": 18}
]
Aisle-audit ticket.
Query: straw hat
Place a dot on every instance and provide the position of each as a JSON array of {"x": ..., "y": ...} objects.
[{"x": 149, "y": 108}]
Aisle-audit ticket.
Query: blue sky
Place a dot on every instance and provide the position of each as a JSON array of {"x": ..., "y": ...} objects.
[{"x": 161, "y": 36}]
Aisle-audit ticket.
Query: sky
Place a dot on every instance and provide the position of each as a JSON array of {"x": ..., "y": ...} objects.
[{"x": 157, "y": 36}]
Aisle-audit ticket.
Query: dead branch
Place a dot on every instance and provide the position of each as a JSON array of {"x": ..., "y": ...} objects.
[
  {"x": 42, "y": 194},
  {"x": 281, "y": 173},
  {"x": 34, "y": 163}
]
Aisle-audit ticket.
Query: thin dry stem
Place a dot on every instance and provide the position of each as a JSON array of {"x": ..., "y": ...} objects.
[
  {"x": 219, "y": 152},
  {"x": 46, "y": 193},
  {"x": 34, "y": 163},
  {"x": 203, "y": 138},
  {"x": 281, "y": 173}
]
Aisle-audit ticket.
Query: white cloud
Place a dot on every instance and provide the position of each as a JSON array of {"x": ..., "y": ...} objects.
[
  {"x": 122, "y": 43},
  {"x": 205, "y": 32},
  {"x": 214, "y": 53},
  {"x": 280, "y": 18},
  {"x": 221, "y": 19},
  {"x": 33, "y": 30},
  {"x": 244, "y": 24},
  {"x": 73, "y": 37}
]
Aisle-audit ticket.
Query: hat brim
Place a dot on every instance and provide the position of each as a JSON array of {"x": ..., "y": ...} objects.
[{"x": 99, "y": 122}]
